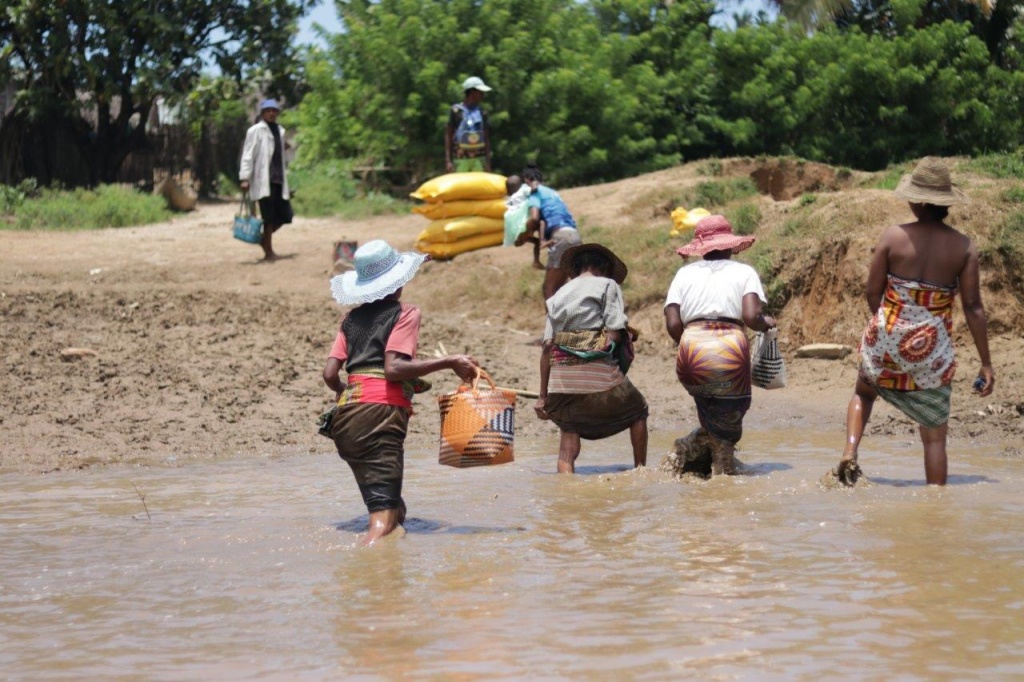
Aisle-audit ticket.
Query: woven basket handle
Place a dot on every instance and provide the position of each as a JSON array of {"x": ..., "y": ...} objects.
[{"x": 482, "y": 373}]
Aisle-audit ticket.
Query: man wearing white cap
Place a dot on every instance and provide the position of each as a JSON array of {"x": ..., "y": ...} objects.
[
  {"x": 467, "y": 142},
  {"x": 261, "y": 173}
]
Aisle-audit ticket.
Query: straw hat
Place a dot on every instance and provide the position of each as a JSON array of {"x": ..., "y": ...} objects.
[
  {"x": 619, "y": 269},
  {"x": 380, "y": 271},
  {"x": 930, "y": 184},
  {"x": 714, "y": 233}
]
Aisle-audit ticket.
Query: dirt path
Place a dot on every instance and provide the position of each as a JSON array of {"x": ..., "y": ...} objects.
[{"x": 203, "y": 352}]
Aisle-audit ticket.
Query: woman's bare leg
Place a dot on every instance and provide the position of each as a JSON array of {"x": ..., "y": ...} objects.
[
  {"x": 858, "y": 412},
  {"x": 266, "y": 241},
  {"x": 638, "y": 438},
  {"x": 568, "y": 451},
  {"x": 934, "y": 441}
]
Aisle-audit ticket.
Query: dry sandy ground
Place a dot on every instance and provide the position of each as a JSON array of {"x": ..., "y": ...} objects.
[{"x": 203, "y": 352}]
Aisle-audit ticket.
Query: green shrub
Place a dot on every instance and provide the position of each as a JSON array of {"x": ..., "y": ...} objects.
[
  {"x": 1014, "y": 195},
  {"x": 888, "y": 179},
  {"x": 227, "y": 186},
  {"x": 712, "y": 167},
  {"x": 11, "y": 197},
  {"x": 998, "y": 165},
  {"x": 745, "y": 218},
  {"x": 81, "y": 209},
  {"x": 1009, "y": 236},
  {"x": 807, "y": 199},
  {"x": 718, "y": 193},
  {"x": 328, "y": 189}
]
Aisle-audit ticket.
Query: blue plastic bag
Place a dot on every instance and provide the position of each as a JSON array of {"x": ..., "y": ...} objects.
[{"x": 247, "y": 226}]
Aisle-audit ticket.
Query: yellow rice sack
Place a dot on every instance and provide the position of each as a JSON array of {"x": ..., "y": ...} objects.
[
  {"x": 443, "y": 251},
  {"x": 683, "y": 221},
  {"x": 489, "y": 208},
  {"x": 447, "y": 231},
  {"x": 457, "y": 186}
]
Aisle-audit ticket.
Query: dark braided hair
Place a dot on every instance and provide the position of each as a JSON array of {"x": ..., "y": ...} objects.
[{"x": 532, "y": 172}]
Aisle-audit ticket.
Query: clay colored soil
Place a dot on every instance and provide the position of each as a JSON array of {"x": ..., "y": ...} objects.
[{"x": 190, "y": 348}]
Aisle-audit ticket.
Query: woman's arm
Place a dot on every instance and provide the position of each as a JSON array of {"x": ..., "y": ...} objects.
[
  {"x": 332, "y": 376},
  {"x": 752, "y": 315},
  {"x": 545, "y": 374},
  {"x": 248, "y": 154},
  {"x": 977, "y": 321},
  {"x": 673, "y": 322},
  {"x": 400, "y": 367}
]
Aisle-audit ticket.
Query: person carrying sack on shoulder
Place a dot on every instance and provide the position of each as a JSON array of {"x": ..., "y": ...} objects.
[
  {"x": 467, "y": 141},
  {"x": 262, "y": 173}
]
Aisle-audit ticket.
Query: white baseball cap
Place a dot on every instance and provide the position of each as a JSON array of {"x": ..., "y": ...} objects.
[{"x": 474, "y": 83}]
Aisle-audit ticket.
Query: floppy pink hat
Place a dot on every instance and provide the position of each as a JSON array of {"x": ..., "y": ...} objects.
[{"x": 714, "y": 233}]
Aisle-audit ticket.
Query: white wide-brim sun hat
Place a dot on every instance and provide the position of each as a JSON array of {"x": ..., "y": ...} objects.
[{"x": 380, "y": 271}]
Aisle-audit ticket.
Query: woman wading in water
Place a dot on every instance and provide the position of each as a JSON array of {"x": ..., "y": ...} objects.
[
  {"x": 709, "y": 304},
  {"x": 583, "y": 388},
  {"x": 906, "y": 354},
  {"x": 376, "y": 345}
]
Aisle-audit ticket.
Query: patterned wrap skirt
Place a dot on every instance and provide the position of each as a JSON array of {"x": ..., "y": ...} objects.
[
  {"x": 370, "y": 437},
  {"x": 713, "y": 365},
  {"x": 590, "y": 396}
]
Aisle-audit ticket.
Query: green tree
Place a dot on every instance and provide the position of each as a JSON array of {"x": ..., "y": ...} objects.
[
  {"x": 585, "y": 99},
  {"x": 88, "y": 72}
]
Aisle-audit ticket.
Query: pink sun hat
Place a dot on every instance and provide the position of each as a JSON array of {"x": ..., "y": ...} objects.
[{"x": 714, "y": 233}]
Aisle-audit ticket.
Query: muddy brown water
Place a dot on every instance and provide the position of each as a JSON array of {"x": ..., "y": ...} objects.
[{"x": 247, "y": 569}]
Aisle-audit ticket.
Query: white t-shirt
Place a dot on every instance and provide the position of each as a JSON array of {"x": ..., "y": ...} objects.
[{"x": 713, "y": 288}]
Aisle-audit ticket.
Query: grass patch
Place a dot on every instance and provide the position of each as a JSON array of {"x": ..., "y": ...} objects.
[
  {"x": 713, "y": 167},
  {"x": 767, "y": 262},
  {"x": 650, "y": 254},
  {"x": 1014, "y": 195},
  {"x": 1001, "y": 166},
  {"x": 745, "y": 218},
  {"x": 12, "y": 197},
  {"x": 1008, "y": 238},
  {"x": 807, "y": 199},
  {"x": 887, "y": 179},
  {"x": 81, "y": 209},
  {"x": 718, "y": 193},
  {"x": 330, "y": 190}
]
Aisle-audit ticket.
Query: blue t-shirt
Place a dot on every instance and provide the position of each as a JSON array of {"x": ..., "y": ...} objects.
[{"x": 553, "y": 210}]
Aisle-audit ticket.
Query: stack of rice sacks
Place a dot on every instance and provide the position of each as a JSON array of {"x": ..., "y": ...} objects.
[{"x": 466, "y": 210}]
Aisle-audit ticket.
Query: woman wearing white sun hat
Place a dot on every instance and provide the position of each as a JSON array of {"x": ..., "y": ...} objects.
[{"x": 376, "y": 345}]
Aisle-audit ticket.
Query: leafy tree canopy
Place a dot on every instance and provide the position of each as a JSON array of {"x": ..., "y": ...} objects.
[{"x": 67, "y": 57}]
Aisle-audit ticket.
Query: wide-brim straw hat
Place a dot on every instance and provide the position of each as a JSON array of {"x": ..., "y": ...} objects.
[
  {"x": 930, "y": 184},
  {"x": 714, "y": 233},
  {"x": 380, "y": 271},
  {"x": 619, "y": 269}
]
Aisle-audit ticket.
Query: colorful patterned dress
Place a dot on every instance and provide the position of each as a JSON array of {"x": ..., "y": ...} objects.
[{"x": 907, "y": 351}]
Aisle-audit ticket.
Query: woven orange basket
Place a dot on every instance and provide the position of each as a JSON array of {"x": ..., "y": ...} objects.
[{"x": 477, "y": 425}]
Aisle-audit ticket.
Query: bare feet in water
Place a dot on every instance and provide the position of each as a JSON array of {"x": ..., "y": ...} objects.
[{"x": 849, "y": 472}]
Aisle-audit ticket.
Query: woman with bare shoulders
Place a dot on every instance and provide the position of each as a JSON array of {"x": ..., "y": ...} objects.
[{"x": 906, "y": 354}]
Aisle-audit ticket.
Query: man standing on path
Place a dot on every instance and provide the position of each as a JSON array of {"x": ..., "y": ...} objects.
[
  {"x": 262, "y": 174},
  {"x": 467, "y": 141}
]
